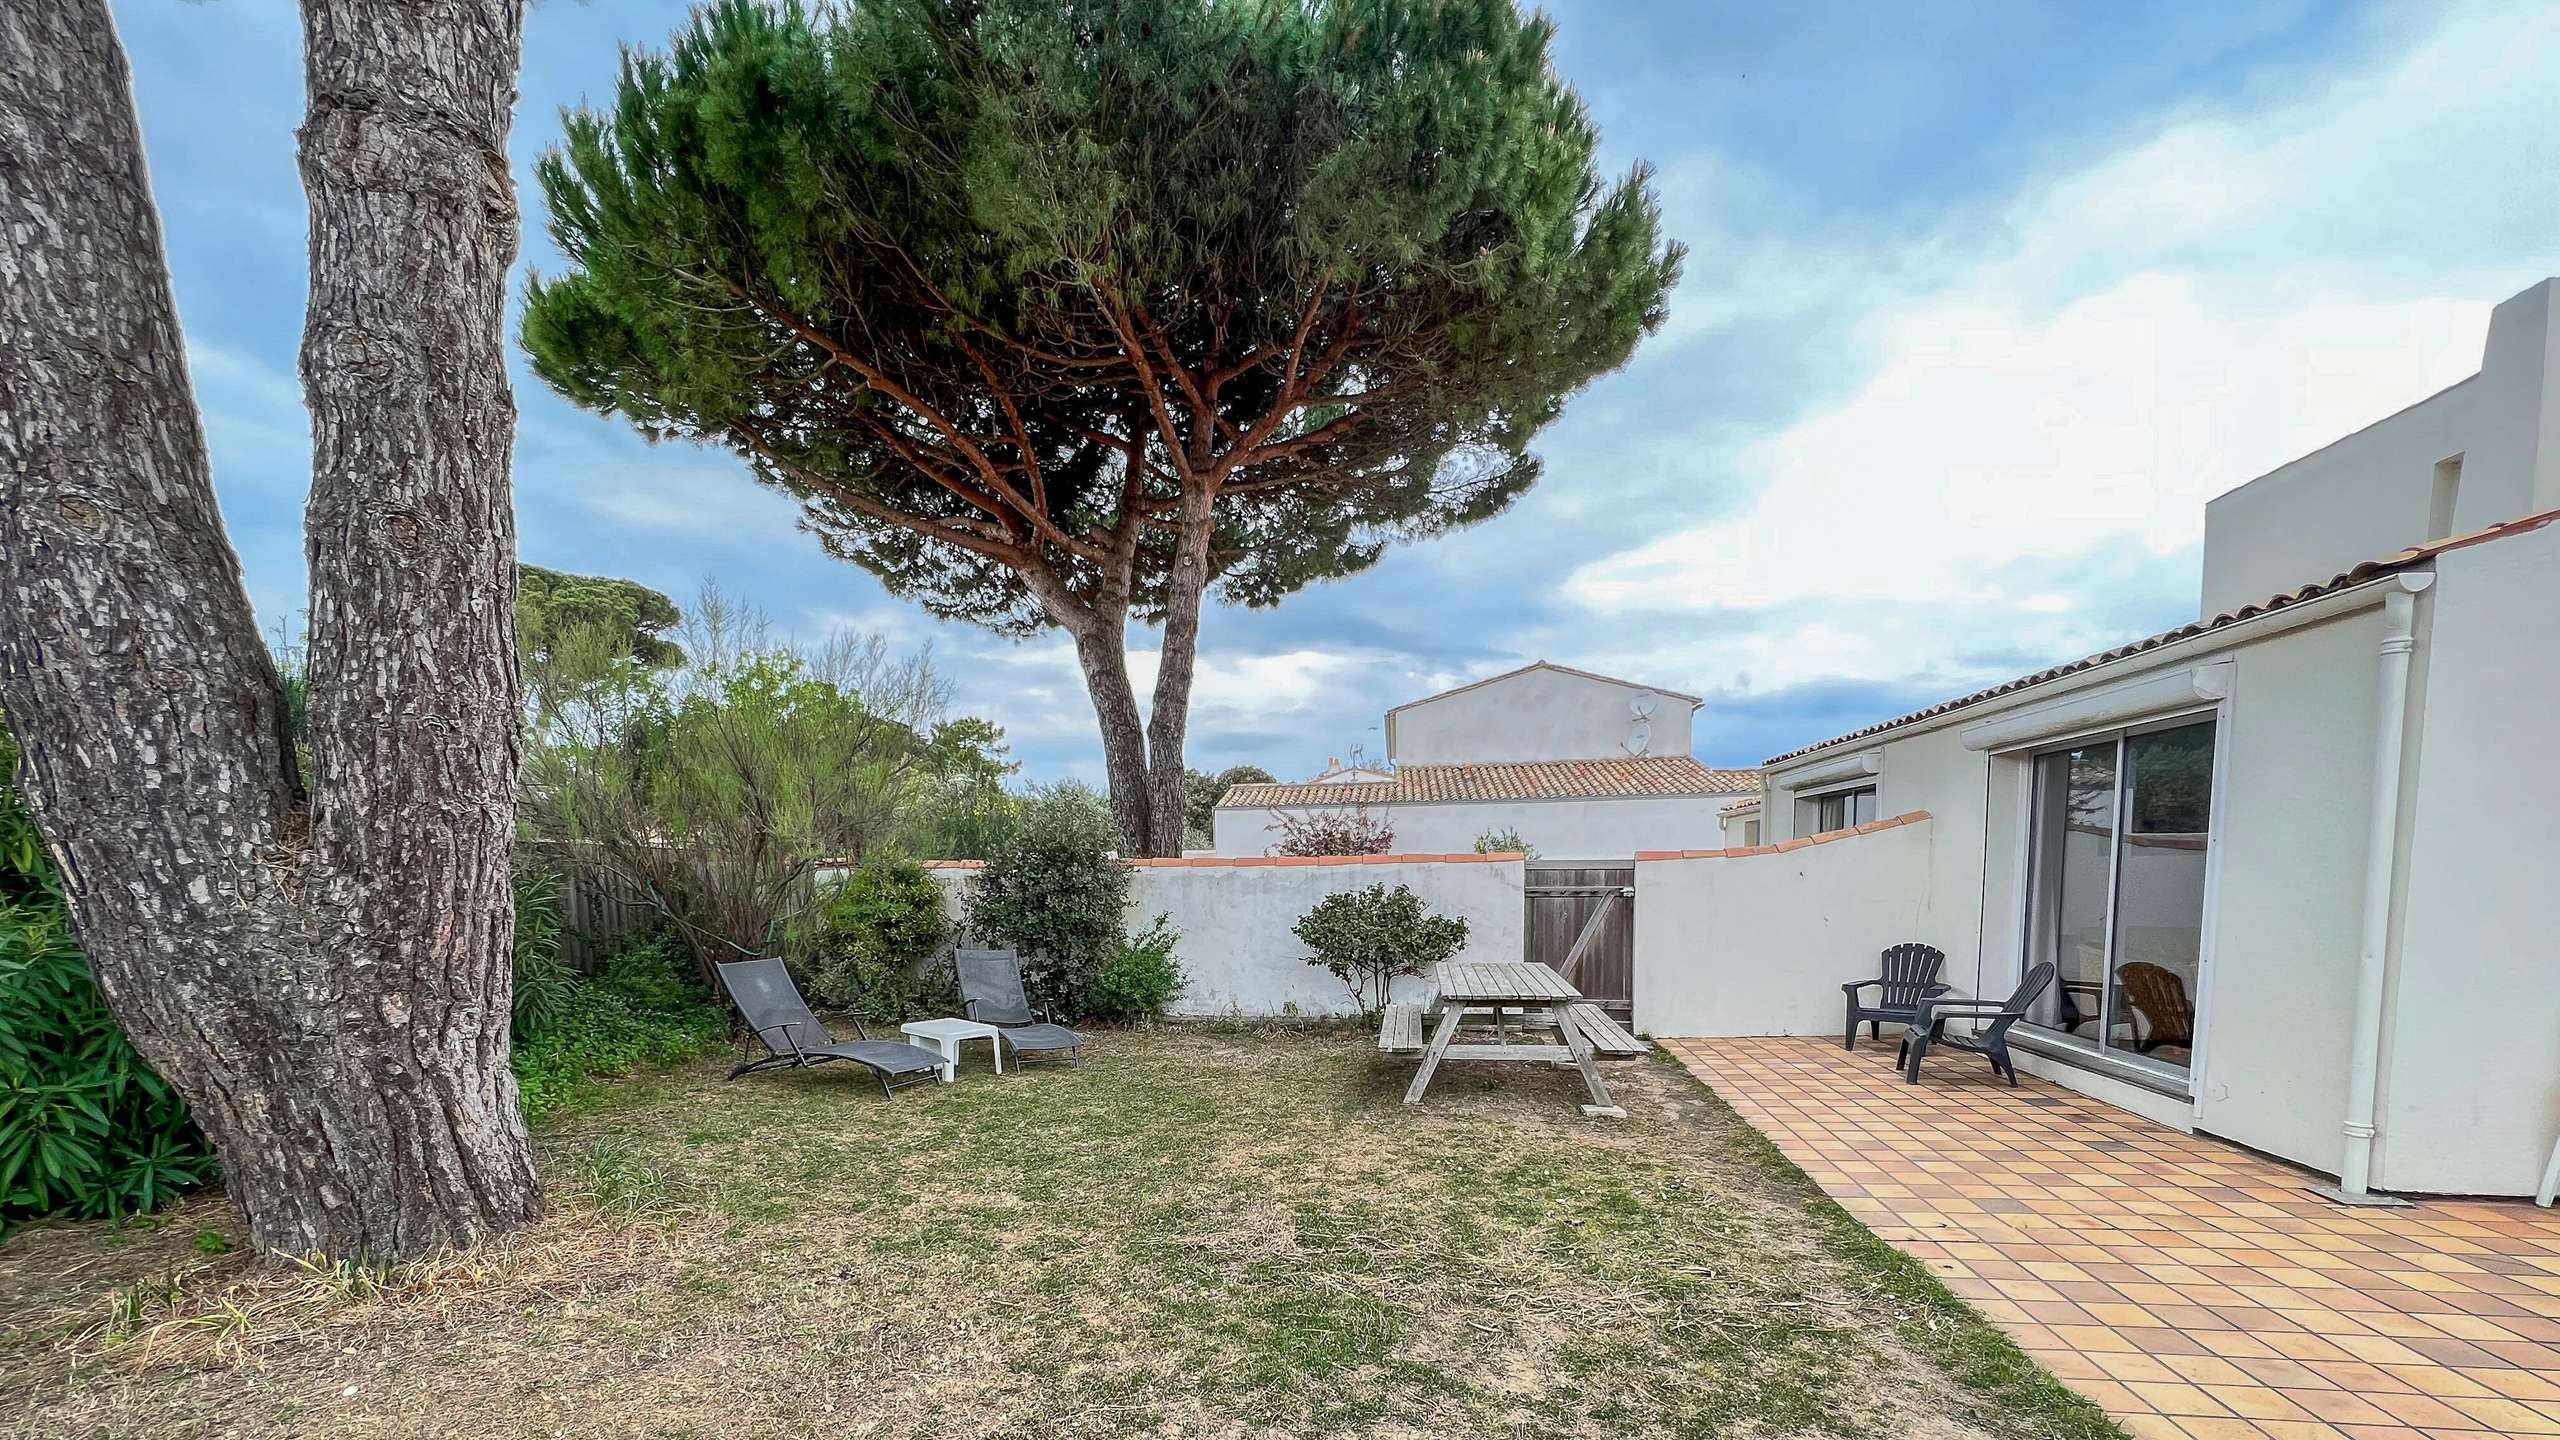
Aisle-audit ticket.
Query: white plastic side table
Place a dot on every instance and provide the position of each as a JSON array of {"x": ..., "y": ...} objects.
[{"x": 943, "y": 1037}]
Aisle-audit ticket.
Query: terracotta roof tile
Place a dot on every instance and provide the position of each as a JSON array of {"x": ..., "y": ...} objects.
[
  {"x": 1525, "y": 780},
  {"x": 2368, "y": 570}
]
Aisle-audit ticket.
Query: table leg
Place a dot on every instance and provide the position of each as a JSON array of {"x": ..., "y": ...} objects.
[
  {"x": 950, "y": 1048},
  {"x": 996, "y": 1043},
  {"x": 1576, "y": 1042},
  {"x": 1441, "y": 1039}
]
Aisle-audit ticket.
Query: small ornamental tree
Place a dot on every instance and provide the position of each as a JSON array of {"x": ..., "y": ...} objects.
[
  {"x": 1060, "y": 313},
  {"x": 1368, "y": 938},
  {"x": 1350, "y": 831},
  {"x": 1057, "y": 894}
]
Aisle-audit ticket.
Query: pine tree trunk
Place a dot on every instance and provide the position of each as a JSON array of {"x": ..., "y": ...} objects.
[
  {"x": 327, "y": 982},
  {"x": 1169, "y": 718},
  {"x": 1102, "y": 652}
]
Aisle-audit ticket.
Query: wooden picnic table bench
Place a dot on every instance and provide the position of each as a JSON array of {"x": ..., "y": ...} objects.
[{"x": 1542, "y": 997}]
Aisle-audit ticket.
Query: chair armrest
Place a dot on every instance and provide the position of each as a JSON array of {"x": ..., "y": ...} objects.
[
  {"x": 785, "y": 1028},
  {"x": 858, "y": 1032},
  {"x": 1936, "y": 990},
  {"x": 1933, "y": 1008},
  {"x": 1854, "y": 986}
]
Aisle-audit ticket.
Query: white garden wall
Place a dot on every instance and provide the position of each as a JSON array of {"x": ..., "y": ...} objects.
[
  {"x": 1235, "y": 915},
  {"x": 1758, "y": 941}
]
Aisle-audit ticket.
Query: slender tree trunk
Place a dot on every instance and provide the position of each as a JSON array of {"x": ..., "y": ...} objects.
[
  {"x": 1102, "y": 652},
  {"x": 326, "y": 982},
  {"x": 1169, "y": 718}
]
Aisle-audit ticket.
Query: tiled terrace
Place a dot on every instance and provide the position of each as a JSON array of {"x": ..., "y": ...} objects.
[{"x": 2191, "y": 1288}]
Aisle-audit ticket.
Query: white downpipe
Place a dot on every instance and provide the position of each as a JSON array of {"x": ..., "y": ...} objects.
[{"x": 2364, "y": 1058}]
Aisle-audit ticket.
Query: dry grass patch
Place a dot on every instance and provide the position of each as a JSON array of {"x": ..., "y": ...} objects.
[{"x": 1202, "y": 1232}]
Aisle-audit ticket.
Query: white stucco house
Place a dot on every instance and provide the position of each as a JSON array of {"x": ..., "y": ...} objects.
[
  {"x": 1586, "y": 768},
  {"x": 2294, "y": 861}
]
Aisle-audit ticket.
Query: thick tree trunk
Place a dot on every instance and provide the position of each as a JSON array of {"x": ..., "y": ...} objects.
[
  {"x": 1102, "y": 652},
  {"x": 326, "y": 983},
  {"x": 1169, "y": 717}
]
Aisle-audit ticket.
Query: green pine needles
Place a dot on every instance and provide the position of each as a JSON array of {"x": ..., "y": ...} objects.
[{"x": 1058, "y": 313}]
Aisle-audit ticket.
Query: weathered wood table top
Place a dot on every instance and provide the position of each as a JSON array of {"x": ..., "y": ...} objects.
[
  {"x": 1479, "y": 987},
  {"x": 1510, "y": 982}
]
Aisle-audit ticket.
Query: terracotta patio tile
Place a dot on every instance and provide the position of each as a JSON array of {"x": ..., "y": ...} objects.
[{"x": 2181, "y": 1274}]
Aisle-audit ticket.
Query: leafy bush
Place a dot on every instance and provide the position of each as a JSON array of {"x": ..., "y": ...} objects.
[
  {"x": 1369, "y": 937},
  {"x": 1505, "y": 841},
  {"x": 642, "y": 1008},
  {"x": 1055, "y": 892},
  {"x": 653, "y": 972},
  {"x": 86, "y": 1128},
  {"x": 1142, "y": 976},
  {"x": 543, "y": 979},
  {"x": 877, "y": 945},
  {"x": 1334, "y": 832}
]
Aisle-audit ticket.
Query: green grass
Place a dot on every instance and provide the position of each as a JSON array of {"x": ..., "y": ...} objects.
[{"x": 1217, "y": 1230}]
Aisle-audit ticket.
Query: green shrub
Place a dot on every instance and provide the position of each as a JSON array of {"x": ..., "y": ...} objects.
[
  {"x": 653, "y": 972},
  {"x": 641, "y": 1008},
  {"x": 86, "y": 1128},
  {"x": 1369, "y": 937},
  {"x": 543, "y": 979},
  {"x": 1505, "y": 841},
  {"x": 879, "y": 943},
  {"x": 1142, "y": 976},
  {"x": 1055, "y": 892},
  {"x": 600, "y": 1035}
]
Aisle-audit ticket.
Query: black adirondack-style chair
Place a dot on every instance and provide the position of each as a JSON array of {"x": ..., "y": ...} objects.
[
  {"x": 1991, "y": 1042},
  {"x": 1910, "y": 976},
  {"x": 991, "y": 994},
  {"x": 779, "y": 1021}
]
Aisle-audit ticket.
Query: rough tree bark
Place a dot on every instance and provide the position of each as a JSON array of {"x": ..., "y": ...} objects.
[{"x": 322, "y": 971}]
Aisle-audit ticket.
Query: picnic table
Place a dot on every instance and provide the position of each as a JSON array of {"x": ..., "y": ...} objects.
[{"x": 1492, "y": 988}]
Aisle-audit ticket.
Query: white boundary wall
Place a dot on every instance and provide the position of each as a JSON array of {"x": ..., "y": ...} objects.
[
  {"x": 1234, "y": 915},
  {"x": 1759, "y": 940}
]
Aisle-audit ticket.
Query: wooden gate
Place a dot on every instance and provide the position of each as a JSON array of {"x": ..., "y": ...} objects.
[{"x": 1562, "y": 901}]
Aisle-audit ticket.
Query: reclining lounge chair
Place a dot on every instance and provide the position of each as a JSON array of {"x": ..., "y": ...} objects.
[
  {"x": 779, "y": 1020},
  {"x": 991, "y": 994}
]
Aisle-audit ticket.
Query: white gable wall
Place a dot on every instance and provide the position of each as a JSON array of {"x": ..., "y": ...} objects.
[
  {"x": 1537, "y": 714},
  {"x": 2375, "y": 492}
]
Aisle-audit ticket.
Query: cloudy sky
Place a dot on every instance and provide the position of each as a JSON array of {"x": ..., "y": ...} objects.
[{"x": 1984, "y": 301}]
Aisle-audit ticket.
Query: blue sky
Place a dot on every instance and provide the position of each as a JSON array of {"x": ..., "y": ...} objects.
[{"x": 1984, "y": 301}]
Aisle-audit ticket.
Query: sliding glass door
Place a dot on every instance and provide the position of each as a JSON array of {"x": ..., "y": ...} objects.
[{"x": 2119, "y": 839}]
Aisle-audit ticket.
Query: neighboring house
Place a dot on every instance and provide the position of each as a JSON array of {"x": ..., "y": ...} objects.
[
  {"x": 2294, "y": 861},
  {"x": 1741, "y": 820},
  {"x": 1355, "y": 773},
  {"x": 1583, "y": 766}
]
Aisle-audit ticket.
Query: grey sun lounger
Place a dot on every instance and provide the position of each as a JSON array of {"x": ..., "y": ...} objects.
[
  {"x": 779, "y": 1020},
  {"x": 991, "y": 994}
]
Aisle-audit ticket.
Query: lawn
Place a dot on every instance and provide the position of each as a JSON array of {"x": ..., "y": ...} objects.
[{"x": 1204, "y": 1231}]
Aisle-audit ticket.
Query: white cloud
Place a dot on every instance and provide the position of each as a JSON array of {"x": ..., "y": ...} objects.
[{"x": 2069, "y": 380}]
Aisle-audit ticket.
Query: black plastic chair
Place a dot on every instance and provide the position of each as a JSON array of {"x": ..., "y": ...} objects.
[
  {"x": 778, "y": 1019},
  {"x": 1991, "y": 1042},
  {"x": 991, "y": 994},
  {"x": 1910, "y": 976}
]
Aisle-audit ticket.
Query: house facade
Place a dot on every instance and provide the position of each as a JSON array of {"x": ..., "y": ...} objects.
[
  {"x": 1586, "y": 768},
  {"x": 2293, "y": 862}
]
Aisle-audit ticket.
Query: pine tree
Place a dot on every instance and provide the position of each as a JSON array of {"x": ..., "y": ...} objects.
[{"x": 1058, "y": 313}]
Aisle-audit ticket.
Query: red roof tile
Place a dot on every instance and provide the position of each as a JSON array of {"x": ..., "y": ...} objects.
[{"x": 1524, "y": 780}]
